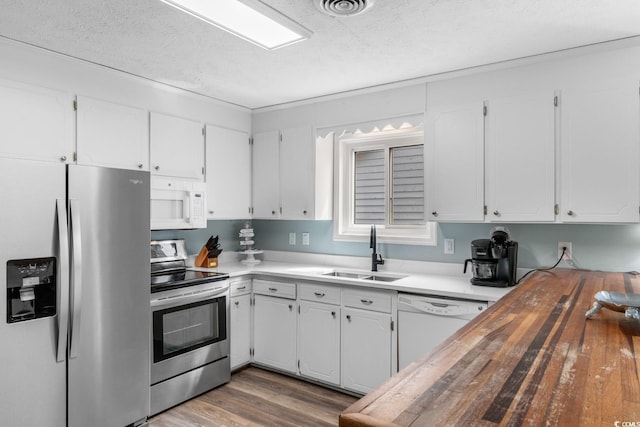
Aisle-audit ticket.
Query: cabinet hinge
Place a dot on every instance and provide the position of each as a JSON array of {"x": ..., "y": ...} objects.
[
  {"x": 485, "y": 110},
  {"x": 280, "y": 136},
  {"x": 203, "y": 170},
  {"x": 280, "y": 210},
  {"x": 298, "y": 309},
  {"x": 484, "y": 211},
  {"x": 298, "y": 365},
  {"x": 204, "y": 132},
  {"x": 556, "y": 209},
  {"x": 555, "y": 101},
  {"x": 251, "y": 351},
  {"x": 75, "y": 105},
  {"x": 250, "y": 141},
  {"x": 75, "y": 156},
  {"x": 250, "y": 210},
  {"x": 392, "y": 325}
]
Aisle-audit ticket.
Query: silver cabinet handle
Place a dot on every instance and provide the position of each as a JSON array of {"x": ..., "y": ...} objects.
[
  {"x": 319, "y": 294},
  {"x": 333, "y": 314},
  {"x": 434, "y": 213},
  {"x": 273, "y": 212},
  {"x": 366, "y": 301},
  {"x": 241, "y": 288},
  {"x": 496, "y": 213},
  {"x": 211, "y": 212},
  {"x": 304, "y": 212},
  {"x": 290, "y": 307},
  {"x": 157, "y": 168},
  {"x": 140, "y": 165},
  {"x": 571, "y": 213},
  {"x": 349, "y": 317},
  {"x": 63, "y": 158},
  {"x": 237, "y": 303},
  {"x": 273, "y": 289}
]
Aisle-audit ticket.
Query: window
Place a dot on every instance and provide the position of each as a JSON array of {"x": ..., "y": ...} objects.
[{"x": 380, "y": 180}]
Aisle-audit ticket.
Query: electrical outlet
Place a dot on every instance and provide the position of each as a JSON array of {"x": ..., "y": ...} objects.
[
  {"x": 305, "y": 239},
  {"x": 568, "y": 254},
  {"x": 449, "y": 247},
  {"x": 292, "y": 238}
]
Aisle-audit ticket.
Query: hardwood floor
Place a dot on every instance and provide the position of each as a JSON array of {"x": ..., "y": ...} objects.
[{"x": 256, "y": 397}]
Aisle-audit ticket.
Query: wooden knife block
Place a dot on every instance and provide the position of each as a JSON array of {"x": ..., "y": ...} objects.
[{"x": 203, "y": 260}]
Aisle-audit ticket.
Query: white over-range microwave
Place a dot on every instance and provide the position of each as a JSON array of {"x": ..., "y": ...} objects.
[{"x": 177, "y": 204}]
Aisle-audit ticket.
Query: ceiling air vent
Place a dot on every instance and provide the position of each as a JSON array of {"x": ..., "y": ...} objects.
[{"x": 343, "y": 8}]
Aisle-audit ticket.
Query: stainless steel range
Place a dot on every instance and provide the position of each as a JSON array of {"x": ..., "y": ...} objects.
[{"x": 190, "y": 327}]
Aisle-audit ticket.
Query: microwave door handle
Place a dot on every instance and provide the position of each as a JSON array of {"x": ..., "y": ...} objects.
[
  {"x": 189, "y": 207},
  {"x": 63, "y": 279},
  {"x": 76, "y": 277}
]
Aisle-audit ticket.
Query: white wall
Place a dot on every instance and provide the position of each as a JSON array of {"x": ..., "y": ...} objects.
[{"x": 39, "y": 67}]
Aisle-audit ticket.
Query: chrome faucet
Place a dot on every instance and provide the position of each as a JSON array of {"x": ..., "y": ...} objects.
[{"x": 376, "y": 259}]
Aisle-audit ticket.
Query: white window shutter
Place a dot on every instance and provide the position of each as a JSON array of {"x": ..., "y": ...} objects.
[
  {"x": 407, "y": 185},
  {"x": 369, "y": 188}
]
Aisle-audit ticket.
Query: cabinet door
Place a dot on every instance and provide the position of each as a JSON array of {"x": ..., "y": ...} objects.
[
  {"x": 112, "y": 135},
  {"x": 297, "y": 173},
  {"x": 275, "y": 332},
  {"x": 366, "y": 349},
  {"x": 228, "y": 173},
  {"x": 36, "y": 123},
  {"x": 520, "y": 158},
  {"x": 599, "y": 157},
  {"x": 319, "y": 341},
  {"x": 266, "y": 175},
  {"x": 455, "y": 163},
  {"x": 177, "y": 147},
  {"x": 240, "y": 330}
]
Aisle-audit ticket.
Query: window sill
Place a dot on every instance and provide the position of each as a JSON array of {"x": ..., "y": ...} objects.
[{"x": 421, "y": 240}]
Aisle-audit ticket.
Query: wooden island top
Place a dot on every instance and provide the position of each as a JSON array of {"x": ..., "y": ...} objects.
[{"x": 531, "y": 359}]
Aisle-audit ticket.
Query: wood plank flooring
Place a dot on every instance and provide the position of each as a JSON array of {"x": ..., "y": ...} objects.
[{"x": 256, "y": 397}]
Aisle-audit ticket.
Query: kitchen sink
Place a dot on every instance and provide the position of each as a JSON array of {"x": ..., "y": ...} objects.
[
  {"x": 363, "y": 276},
  {"x": 346, "y": 274}
]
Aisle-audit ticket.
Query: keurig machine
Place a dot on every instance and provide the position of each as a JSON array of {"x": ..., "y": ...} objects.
[
  {"x": 494, "y": 260},
  {"x": 31, "y": 289}
]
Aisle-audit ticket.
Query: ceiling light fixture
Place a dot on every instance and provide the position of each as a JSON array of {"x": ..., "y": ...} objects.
[
  {"x": 343, "y": 8},
  {"x": 250, "y": 20}
]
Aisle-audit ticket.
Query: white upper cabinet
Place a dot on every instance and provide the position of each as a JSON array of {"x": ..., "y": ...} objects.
[
  {"x": 600, "y": 180},
  {"x": 455, "y": 162},
  {"x": 36, "y": 123},
  {"x": 266, "y": 175},
  {"x": 228, "y": 173},
  {"x": 112, "y": 135},
  {"x": 297, "y": 173},
  {"x": 292, "y": 174},
  {"x": 177, "y": 147},
  {"x": 520, "y": 158}
]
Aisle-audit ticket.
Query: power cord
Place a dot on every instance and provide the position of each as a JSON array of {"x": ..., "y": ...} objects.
[{"x": 564, "y": 249}]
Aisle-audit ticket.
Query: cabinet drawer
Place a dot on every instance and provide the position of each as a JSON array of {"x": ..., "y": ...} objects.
[
  {"x": 367, "y": 299},
  {"x": 319, "y": 292},
  {"x": 240, "y": 287},
  {"x": 275, "y": 289}
]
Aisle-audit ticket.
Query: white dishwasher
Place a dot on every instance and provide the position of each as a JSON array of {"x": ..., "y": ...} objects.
[{"x": 426, "y": 321}]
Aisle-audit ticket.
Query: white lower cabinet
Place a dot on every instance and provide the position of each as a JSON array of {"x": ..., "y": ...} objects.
[
  {"x": 240, "y": 322},
  {"x": 366, "y": 349},
  {"x": 275, "y": 326},
  {"x": 366, "y": 339},
  {"x": 319, "y": 339}
]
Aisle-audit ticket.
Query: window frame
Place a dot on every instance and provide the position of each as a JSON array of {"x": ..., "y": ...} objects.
[{"x": 344, "y": 188}]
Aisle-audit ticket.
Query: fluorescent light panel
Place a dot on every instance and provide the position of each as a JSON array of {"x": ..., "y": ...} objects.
[{"x": 250, "y": 20}]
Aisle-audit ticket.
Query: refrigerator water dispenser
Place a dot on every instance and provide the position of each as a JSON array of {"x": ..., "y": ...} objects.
[{"x": 31, "y": 289}]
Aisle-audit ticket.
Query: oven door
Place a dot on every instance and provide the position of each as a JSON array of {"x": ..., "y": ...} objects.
[{"x": 188, "y": 332}]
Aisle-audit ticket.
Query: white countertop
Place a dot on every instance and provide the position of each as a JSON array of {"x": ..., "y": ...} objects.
[{"x": 419, "y": 278}]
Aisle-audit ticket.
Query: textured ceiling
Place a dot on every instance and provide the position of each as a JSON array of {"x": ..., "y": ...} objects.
[{"x": 396, "y": 40}]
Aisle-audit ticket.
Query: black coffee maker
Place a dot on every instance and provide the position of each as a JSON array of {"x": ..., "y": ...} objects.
[{"x": 494, "y": 261}]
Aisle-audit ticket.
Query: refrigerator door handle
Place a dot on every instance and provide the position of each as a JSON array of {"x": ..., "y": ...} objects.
[
  {"x": 63, "y": 279},
  {"x": 76, "y": 277}
]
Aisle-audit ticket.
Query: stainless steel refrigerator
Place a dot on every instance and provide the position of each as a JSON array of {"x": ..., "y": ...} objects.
[{"x": 74, "y": 322}]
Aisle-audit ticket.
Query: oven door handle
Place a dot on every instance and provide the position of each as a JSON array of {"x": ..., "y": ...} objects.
[{"x": 188, "y": 298}]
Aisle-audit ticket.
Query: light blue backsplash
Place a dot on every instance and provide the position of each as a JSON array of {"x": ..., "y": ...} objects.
[{"x": 598, "y": 247}]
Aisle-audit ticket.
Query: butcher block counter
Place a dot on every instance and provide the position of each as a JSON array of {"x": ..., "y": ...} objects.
[{"x": 531, "y": 359}]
